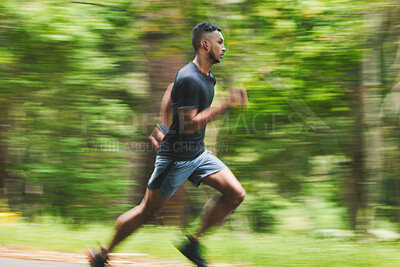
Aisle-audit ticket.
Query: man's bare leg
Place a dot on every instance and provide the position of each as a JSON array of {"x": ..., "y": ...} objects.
[
  {"x": 127, "y": 223},
  {"x": 232, "y": 195}
]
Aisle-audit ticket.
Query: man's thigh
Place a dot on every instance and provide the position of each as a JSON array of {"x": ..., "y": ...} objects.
[
  {"x": 225, "y": 182},
  {"x": 153, "y": 200}
]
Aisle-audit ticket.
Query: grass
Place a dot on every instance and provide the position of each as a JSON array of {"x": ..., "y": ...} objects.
[{"x": 285, "y": 249}]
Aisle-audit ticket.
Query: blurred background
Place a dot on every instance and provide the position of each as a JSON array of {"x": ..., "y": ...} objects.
[{"x": 316, "y": 149}]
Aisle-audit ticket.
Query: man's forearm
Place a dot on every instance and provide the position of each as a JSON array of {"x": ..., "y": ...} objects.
[
  {"x": 217, "y": 111},
  {"x": 202, "y": 118}
]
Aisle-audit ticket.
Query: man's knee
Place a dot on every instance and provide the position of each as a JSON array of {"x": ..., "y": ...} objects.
[
  {"x": 151, "y": 213},
  {"x": 239, "y": 198}
]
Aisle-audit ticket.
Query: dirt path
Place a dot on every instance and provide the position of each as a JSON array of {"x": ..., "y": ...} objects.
[
  {"x": 11, "y": 262},
  {"x": 117, "y": 259}
]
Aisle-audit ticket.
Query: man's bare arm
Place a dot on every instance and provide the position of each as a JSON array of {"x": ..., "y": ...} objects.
[
  {"x": 166, "y": 108},
  {"x": 165, "y": 117},
  {"x": 190, "y": 121}
]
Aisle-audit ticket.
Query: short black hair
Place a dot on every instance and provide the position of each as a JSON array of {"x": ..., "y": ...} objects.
[{"x": 200, "y": 30}]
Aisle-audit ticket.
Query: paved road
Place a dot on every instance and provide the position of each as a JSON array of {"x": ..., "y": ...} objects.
[{"x": 9, "y": 262}]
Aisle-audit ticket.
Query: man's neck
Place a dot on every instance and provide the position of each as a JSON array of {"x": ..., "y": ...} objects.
[{"x": 202, "y": 64}]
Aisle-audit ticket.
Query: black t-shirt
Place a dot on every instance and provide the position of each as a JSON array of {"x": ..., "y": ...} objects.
[{"x": 192, "y": 89}]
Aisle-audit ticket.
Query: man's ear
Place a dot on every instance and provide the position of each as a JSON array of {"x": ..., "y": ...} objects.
[{"x": 205, "y": 44}]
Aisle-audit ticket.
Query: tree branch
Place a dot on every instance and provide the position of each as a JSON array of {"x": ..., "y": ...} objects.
[{"x": 102, "y": 5}]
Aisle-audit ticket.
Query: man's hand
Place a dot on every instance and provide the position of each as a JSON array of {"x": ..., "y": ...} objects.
[
  {"x": 156, "y": 137},
  {"x": 237, "y": 97}
]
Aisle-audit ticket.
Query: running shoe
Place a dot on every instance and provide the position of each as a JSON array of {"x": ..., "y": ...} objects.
[
  {"x": 190, "y": 249},
  {"x": 96, "y": 260}
]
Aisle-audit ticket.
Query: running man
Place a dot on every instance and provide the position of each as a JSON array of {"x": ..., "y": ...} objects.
[{"x": 181, "y": 154}]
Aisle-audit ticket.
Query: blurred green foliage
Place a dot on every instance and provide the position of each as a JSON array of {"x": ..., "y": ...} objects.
[{"x": 74, "y": 94}]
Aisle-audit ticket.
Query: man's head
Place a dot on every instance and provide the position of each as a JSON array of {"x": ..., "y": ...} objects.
[{"x": 207, "y": 38}]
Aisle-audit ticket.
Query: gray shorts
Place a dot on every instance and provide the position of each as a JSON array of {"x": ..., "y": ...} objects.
[{"x": 169, "y": 174}]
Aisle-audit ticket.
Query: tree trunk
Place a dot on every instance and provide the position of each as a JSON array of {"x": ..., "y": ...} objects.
[
  {"x": 389, "y": 114},
  {"x": 161, "y": 72},
  {"x": 3, "y": 156},
  {"x": 356, "y": 199},
  {"x": 372, "y": 135}
]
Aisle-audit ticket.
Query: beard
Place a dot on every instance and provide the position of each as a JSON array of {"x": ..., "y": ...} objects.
[{"x": 211, "y": 54}]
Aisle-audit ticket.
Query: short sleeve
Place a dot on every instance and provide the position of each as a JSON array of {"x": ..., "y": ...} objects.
[{"x": 187, "y": 94}]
